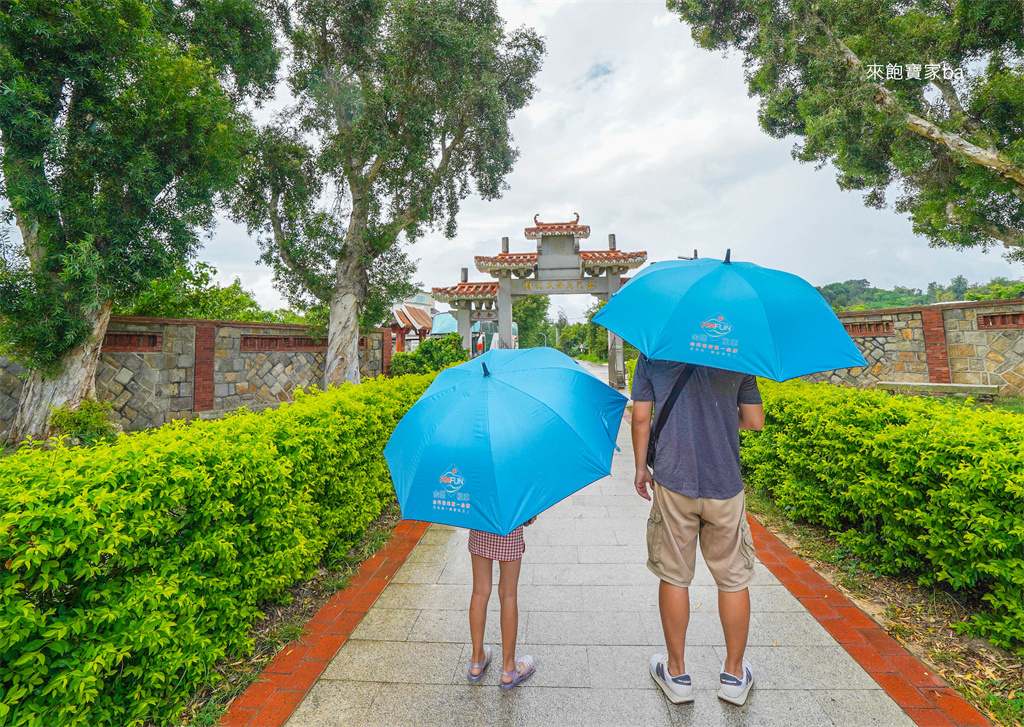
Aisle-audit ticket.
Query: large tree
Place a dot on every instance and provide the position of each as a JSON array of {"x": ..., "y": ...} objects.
[
  {"x": 402, "y": 108},
  {"x": 117, "y": 127},
  {"x": 920, "y": 98},
  {"x": 281, "y": 197}
]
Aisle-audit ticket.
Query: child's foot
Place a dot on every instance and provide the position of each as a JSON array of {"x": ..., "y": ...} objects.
[
  {"x": 678, "y": 689},
  {"x": 525, "y": 667},
  {"x": 476, "y": 669}
]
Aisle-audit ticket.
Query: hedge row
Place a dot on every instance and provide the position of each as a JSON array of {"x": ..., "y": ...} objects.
[
  {"x": 127, "y": 570},
  {"x": 914, "y": 485}
]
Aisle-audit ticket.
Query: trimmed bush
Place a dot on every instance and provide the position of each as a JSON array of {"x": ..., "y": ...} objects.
[
  {"x": 127, "y": 570},
  {"x": 915, "y": 485},
  {"x": 433, "y": 354},
  {"x": 630, "y": 368}
]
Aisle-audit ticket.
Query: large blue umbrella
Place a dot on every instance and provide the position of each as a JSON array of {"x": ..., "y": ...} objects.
[
  {"x": 730, "y": 315},
  {"x": 501, "y": 438}
]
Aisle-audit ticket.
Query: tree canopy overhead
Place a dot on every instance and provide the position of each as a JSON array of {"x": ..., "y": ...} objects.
[
  {"x": 117, "y": 128},
  {"x": 402, "y": 110},
  {"x": 922, "y": 100}
]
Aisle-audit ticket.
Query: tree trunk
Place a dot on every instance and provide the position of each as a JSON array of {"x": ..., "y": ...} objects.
[
  {"x": 342, "y": 363},
  {"x": 74, "y": 383}
]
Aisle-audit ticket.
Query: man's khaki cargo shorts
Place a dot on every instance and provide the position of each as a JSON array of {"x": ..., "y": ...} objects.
[{"x": 677, "y": 522}]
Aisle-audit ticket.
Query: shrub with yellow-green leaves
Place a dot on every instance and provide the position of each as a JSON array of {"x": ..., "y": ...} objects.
[
  {"x": 914, "y": 485},
  {"x": 128, "y": 569}
]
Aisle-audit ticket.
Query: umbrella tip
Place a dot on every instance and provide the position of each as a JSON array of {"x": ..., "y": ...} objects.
[
  {"x": 486, "y": 372},
  {"x": 728, "y": 252}
]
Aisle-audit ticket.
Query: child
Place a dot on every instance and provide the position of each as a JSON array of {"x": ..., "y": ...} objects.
[{"x": 508, "y": 551}]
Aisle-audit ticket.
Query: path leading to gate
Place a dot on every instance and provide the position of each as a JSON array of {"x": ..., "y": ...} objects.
[{"x": 588, "y": 614}]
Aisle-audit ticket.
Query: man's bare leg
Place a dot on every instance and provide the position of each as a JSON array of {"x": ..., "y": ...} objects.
[
  {"x": 734, "y": 610},
  {"x": 674, "y": 604}
]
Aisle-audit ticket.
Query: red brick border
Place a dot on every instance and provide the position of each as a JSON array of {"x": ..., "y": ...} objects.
[
  {"x": 270, "y": 701},
  {"x": 202, "y": 372},
  {"x": 935, "y": 345},
  {"x": 920, "y": 692}
]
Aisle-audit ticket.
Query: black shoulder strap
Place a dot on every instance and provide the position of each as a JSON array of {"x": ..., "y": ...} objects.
[{"x": 666, "y": 407}]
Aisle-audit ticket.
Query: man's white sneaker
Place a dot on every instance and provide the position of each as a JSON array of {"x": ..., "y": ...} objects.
[
  {"x": 677, "y": 689},
  {"x": 735, "y": 690}
]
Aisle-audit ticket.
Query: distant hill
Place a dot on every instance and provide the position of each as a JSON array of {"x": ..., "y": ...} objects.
[{"x": 860, "y": 295}]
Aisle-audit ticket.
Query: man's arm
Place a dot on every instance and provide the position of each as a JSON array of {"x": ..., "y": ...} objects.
[
  {"x": 751, "y": 416},
  {"x": 641, "y": 433}
]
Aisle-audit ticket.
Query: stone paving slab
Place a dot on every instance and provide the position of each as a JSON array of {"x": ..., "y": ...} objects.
[{"x": 588, "y": 614}]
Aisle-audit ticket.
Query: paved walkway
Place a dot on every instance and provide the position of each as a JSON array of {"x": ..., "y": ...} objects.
[{"x": 588, "y": 614}]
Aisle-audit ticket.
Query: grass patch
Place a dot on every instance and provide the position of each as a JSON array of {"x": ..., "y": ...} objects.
[
  {"x": 1013, "y": 404},
  {"x": 283, "y": 623},
  {"x": 921, "y": 619}
]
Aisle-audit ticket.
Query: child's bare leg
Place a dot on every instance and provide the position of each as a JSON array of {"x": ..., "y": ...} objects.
[
  {"x": 508, "y": 586},
  {"x": 483, "y": 570}
]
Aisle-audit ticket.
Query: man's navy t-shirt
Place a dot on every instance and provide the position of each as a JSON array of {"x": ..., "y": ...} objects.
[{"x": 698, "y": 451}]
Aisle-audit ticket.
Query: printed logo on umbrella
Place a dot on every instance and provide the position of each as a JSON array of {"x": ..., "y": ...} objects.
[
  {"x": 716, "y": 326},
  {"x": 452, "y": 479}
]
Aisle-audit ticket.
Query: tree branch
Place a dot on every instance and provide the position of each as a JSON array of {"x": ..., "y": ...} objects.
[
  {"x": 955, "y": 107},
  {"x": 884, "y": 99},
  {"x": 281, "y": 245},
  {"x": 1009, "y": 236}
]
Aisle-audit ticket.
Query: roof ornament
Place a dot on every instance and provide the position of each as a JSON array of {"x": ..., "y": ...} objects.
[{"x": 537, "y": 222}]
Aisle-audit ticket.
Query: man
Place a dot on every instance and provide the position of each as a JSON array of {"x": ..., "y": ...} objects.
[{"x": 698, "y": 495}]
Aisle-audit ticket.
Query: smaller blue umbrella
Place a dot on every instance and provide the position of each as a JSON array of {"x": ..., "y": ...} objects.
[
  {"x": 501, "y": 438},
  {"x": 730, "y": 315}
]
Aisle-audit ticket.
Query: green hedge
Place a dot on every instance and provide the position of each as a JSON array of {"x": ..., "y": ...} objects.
[
  {"x": 915, "y": 485},
  {"x": 127, "y": 570},
  {"x": 630, "y": 368}
]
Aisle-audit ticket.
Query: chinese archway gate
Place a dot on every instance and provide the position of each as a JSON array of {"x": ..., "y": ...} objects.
[{"x": 558, "y": 267}]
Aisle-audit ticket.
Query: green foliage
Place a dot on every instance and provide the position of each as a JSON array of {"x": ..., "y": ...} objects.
[
  {"x": 530, "y": 313},
  {"x": 191, "y": 292},
  {"x": 432, "y": 354},
  {"x": 859, "y": 295},
  {"x": 87, "y": 424},
  {"x": 951, "y": 147},
  {"x": 131, "y": 568},
  {"x": 572, "y": 340},
  {"x": 585, "y": 339},
  {"x": 117, "y": 128},
  {"x": 996, "y": 289},
  {"x": 914, "y": 485},
  {"x": 630, "y": 369}
]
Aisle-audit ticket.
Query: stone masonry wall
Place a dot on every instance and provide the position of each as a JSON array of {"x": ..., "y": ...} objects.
[
  {"x": 981, "y": 355},
  {"x": 962, "y": 343},
  {"x": 892, "y": 344},
  {"x": 155, "y": 370}
]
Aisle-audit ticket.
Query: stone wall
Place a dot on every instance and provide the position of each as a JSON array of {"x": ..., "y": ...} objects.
[
  {"x": 962, "y": 343},
  {"x": 155, "y": 370},
  {"x": 892, "y": 343}
]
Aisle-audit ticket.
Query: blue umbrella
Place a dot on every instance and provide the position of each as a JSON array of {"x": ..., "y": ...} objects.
[
  {"x": 501, "y": 438},
  {"x": 730, "y": 315}
]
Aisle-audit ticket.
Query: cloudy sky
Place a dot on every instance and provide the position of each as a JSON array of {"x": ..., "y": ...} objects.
[{"x": 655, "y": 140}]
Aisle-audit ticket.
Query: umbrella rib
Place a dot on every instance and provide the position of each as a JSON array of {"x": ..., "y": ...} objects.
[{"x": 549, "y": 408}]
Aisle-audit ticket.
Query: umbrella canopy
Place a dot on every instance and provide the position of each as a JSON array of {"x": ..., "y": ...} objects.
[
  {"x": 730, "y": 315},
  {"x": 501, "y": 438}
]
